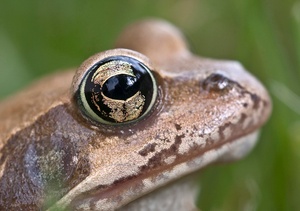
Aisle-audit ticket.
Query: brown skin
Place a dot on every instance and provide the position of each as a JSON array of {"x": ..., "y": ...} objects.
[{"x": 50, "y": 153}]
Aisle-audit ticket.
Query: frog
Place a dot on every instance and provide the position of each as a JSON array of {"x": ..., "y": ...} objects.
[{"x": 128, "y": 128}]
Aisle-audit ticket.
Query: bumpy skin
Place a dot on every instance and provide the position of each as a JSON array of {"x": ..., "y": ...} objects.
[{"x": 50, "y": 155}]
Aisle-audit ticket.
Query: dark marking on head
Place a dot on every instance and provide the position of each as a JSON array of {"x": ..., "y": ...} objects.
[
  {"x": 255, "y": 99},
  {"x": 177, "y": 126},
  {"x": 232, "y": 126},
  {"x": 158, "y": 158},
  {"x": 222, "y": 129},
  {"x": 147, "y": 149}
]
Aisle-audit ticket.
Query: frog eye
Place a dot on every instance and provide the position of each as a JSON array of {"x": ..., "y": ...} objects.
[{"x": 117, "y": 89}]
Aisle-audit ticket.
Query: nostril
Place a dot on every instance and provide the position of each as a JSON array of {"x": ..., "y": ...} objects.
[{"x": 216, "y": 82}]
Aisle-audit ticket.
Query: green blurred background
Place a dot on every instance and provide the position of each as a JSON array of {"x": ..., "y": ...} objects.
[{"x": 38, "y": 37}]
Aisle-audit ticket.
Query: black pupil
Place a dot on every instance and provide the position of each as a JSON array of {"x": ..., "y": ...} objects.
[{"x": 121, "y": 87}]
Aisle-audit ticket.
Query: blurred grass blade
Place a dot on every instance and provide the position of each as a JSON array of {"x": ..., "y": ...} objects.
[{"x": 285, "y": 95}]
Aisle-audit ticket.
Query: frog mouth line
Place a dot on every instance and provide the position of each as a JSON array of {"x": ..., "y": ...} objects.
[
  {"x": 240, "y": 147},
  {"x": 131, "y": 190}
]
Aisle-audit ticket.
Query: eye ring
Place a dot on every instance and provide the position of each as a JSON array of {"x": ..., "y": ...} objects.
[{"x": 115, "y": 87}]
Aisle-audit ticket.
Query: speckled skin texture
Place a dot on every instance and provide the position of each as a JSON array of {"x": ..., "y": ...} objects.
[{"x": 51, "y": 156}]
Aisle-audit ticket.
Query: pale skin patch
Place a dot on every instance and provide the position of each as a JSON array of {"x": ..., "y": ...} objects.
[
  {"x": 2, "y": 169},
  {"x": 227, "y": 132},
  {"x": 215, "y": 135},
  {"x": 247, "y": 122},
  {"x": 170, "y": 159}
]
